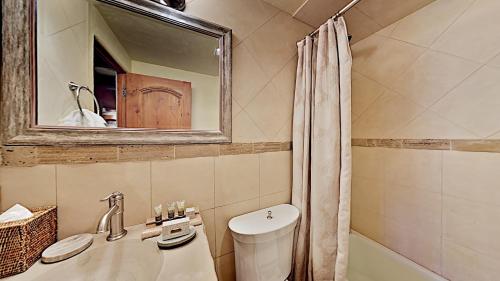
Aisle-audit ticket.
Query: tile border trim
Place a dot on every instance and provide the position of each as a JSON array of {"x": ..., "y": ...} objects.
[
  {"x": 38, "y": 155},
  {"x": 432, "y": 144}
]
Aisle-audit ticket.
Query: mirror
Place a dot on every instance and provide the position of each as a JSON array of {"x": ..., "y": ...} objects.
[{"x": 129, "y": 65}]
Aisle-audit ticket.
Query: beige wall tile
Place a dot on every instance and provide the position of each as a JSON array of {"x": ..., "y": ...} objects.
[
  {"x": 76, "y": 11},
  {"x": 224, "y": 239},
  {"x": 236, "y": 178},
  {"x": 389, "y": 113},
  {"x": 472, "y": 176},
  {"x": 376, "y": 64},
  {"x": 419, "y": 169},
  {"x": 363, "y": 50},
  {"x": 282, "y": 197},
  {"x": 248, "y": 77},
  {"x": 225, "y": 267},
  {"x": 432, "y": 76},
  {"x": 208, "y": 217},
  {"x": 270, "y": 110},
  {"x": 245, "y": 130},
  {"x": 285, "y": 133},
  {"x": 367, "y": 194},
  {"x": 80, "y": 187},
  {"x": 56, "y": 50},
  {"x": 437, "y": 16},
  {"x": 471, "y": 36},
  {"x": 275, "y": 172},
  {"x": 364, "y": 93},
  {"x": 28, "y": 186},
  {"x": 412, "y": 207},
  {"x": 396, "y": 200},
  {"x": 236, "y": 109},
  {"x": 274, "y": 44},
  {"x": 495, "y": 62},
  {"x": 187, "y": 179},
  {"x": 431, "y": 125},
  {"x": 53, "y": 10},
  {"x": 368, "y": 223},
  {"x": 472, "y": 225},
  {"x": 366, "y": 162},
  {"x": 457, "y": 39},
  {"x": 474, "y": 104},
  {"x": 284, "y": 81},
  {"x": 420, "y": 243},
  {"x": 463, "y": 264},
  {"x": 388, "y": 30}
]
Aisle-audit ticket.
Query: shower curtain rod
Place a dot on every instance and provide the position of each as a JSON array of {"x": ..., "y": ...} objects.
[{"x": 338, "y": 14}]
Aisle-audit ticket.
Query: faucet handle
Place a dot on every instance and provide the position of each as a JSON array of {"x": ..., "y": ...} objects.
[
  {"x": 112, "y": 197},
  {"x": 106, "y": 198}
]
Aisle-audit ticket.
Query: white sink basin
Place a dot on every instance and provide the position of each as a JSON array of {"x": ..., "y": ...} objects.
[
  {"x": 130, "y": 259},
  {"x": 125, "y": 260}
]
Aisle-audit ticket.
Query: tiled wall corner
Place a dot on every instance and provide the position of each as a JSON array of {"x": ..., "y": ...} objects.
[
  {"x": 437, "y": 208},
  {"x": 414, "y": 80},
  {"x": 396, "y": 200}
]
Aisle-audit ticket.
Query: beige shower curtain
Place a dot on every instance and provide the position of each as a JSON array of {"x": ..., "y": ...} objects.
[{"x": 322, "y": 154}]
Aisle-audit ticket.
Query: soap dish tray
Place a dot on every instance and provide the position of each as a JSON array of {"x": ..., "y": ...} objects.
[{"x": 176, "y": 242}]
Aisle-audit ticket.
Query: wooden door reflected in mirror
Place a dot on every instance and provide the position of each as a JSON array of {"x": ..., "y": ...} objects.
[{"x": 152, "y": 102}]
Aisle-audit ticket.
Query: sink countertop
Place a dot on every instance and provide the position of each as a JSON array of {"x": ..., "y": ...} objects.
[{"x": 190, "y": 262}]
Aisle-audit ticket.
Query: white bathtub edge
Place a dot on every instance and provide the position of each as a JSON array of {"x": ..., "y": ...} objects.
[{"x": 399, "y": 257}]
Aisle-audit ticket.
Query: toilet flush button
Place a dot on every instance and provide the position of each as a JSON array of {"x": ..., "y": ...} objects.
[{"x": 269, "y": 215}]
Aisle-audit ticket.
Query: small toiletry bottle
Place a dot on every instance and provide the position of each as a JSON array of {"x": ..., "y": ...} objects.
[
  {"x": 181, "y": 208},
  {"x": 158, "y": 215},
  {"x": 171, "y": 211}
]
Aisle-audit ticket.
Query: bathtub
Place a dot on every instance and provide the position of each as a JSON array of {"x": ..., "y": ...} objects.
[{"x": 370, "y": 261}]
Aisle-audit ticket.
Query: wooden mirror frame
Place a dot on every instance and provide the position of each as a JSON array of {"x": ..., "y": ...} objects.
[{"x": 18, "y": 80}]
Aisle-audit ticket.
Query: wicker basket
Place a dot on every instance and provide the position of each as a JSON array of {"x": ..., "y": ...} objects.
[{"x": 22, "y": 242}]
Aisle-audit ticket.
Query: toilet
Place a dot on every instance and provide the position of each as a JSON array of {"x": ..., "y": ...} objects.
[{"x": 263, "y": 243}]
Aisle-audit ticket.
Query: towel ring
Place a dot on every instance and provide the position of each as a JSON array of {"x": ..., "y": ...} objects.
[{"x": 75, "y": 87}]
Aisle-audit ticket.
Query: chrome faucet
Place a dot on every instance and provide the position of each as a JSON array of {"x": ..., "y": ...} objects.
[{"x": 112, "y": 220}]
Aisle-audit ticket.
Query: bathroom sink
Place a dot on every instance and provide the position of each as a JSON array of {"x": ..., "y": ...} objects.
[
  {"x": 130, "y": 259},
  {"x": 125, "y": 260}
]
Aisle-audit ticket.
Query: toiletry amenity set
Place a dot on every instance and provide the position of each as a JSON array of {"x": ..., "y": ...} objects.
[{"x": 175, "y": 230}]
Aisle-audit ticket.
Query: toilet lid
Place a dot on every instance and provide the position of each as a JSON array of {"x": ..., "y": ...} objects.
[{"x": 265, "y": 220}]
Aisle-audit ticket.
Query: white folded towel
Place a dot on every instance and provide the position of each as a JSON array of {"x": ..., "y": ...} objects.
[
  {"x": 14, "y": 213},
  {"x": 89, "y": 119}
]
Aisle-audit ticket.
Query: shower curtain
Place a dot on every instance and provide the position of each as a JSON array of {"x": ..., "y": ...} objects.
[{"x": 322, "y": 154}]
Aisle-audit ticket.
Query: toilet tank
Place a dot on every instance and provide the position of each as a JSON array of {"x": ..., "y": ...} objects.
[{"x": 263, "y": 243}]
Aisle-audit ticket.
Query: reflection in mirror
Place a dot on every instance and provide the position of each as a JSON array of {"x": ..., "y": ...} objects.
[{"x": 106, "y": 67}]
